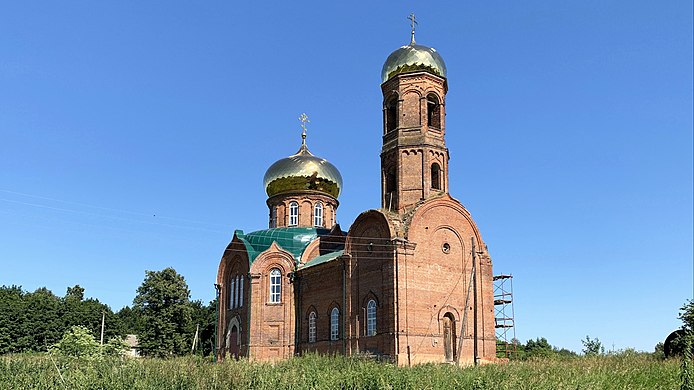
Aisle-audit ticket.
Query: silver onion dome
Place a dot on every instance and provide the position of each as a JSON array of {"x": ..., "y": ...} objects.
[
  {"x": 411, "y": 58},
  {"x": 302, "y": 171}
]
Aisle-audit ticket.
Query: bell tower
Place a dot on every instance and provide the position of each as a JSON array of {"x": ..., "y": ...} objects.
[{"x": 414, "y": 156}]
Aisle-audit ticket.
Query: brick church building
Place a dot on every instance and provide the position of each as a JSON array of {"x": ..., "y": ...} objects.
[{"x": 410, "y": 282}]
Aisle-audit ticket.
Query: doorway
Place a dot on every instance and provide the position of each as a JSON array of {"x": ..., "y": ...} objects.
[{"x": 449, "y": 337}]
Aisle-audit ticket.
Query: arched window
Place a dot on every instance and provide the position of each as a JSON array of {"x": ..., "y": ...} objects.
[
  {"x": 312, "y": 327},
  {"x": 435, "y": 176},
  {"x": 371, "y": 318},
  {"x": 275, "y": 286},
  {"x": 391, "y": 114},
  {"x": 241, "y": 291},
  {"x": 433, "y": 111},
  {"x": 318, "y": 214},
  {"x": 293, "y": 214},
  {"x": 334, "y": 324},
  {"x": 237, "y": 301},
  {"x": 231, "y": 293}
]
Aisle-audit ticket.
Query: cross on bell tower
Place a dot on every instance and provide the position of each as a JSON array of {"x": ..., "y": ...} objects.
[{"x": 414, "y": 156}]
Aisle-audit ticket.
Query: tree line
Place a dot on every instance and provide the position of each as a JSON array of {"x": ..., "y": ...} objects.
[{"x": 162, "y": 316}]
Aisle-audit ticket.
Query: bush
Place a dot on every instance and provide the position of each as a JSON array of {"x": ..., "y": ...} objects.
[{"x": 78, "y": 342}]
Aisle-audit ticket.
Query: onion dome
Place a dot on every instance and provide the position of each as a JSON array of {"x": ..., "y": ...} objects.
[
  {"x": 303, "y": 171},
  {"x": 412, "y": 58}
]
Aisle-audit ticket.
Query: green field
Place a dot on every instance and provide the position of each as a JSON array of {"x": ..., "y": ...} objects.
[{"x": 621, "y": 371}]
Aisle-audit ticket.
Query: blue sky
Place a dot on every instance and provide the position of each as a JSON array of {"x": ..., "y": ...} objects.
[{"x": 134, "y": 136}]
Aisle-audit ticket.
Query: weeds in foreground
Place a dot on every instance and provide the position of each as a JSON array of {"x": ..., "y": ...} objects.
[{"x": 627, "y": 371}]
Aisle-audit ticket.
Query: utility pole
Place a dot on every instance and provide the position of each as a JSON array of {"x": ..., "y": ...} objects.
[
  {"x": 195, "y": 339},
  {"x": 103, "y": 320}
]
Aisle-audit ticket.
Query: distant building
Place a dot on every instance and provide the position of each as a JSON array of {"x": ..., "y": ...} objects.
[
  {"x": 398, "y": 284},
  {"x": 133, "y": 345}
]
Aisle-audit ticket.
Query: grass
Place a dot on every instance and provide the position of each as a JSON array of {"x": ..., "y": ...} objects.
[{"x": 622, "y": 371}]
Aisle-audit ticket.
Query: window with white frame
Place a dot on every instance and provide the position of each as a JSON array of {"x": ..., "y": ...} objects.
[
  {"x": 371, "y": 318},
  {"x": 312, "y": 327},
  {"x": 318, "y": 214},
  {"x": 293, "y": 214},
  {"x": 275, "y": 286},
  {"x": 334, "y": 324}
]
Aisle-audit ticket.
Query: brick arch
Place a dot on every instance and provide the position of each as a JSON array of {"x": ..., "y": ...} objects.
[
  {"x": 369, "y": 296},
  {"x": 234, "y": 321},
  {"x": 235, "y": 253},
  {"x": 392, "y": 95},
  {"x": 413, "y": 90},
  {"x": 333, "y": 304},
  {"x": 448, "y": 309},
  {"x": 369, "y": 226},
  {"x": 445, "y": 202},
  {"x": 273, "y": 256},
  {"x": 309, "y": 310}
]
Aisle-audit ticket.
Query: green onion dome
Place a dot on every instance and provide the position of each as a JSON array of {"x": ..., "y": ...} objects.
[
  {"x": 412, "y": 58},
  {"x": 302, "y": 171}
]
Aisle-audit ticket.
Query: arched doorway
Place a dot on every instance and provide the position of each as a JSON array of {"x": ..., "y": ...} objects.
[
  {"x": 449, "y": 340},
  {"x": 233, "y": 341}
]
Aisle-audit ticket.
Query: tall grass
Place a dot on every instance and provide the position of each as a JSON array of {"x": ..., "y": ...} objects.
[{"x": 627, "y": 371}]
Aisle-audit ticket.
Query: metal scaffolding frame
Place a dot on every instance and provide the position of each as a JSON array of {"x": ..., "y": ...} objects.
[{"x": 504, "y": 316}]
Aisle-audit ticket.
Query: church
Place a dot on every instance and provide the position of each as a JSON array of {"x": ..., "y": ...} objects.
[{"x": 409, "y": 282}]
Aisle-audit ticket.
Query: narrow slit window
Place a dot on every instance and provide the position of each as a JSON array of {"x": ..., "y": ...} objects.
[
  {"x": 312, "y": 327},
  {"x": 391, "y": 115},
  {"x": 238, "y": 292},
  {"x": 241, "y": 292},
  {"x": 435, "y": 176},
  {"x": 334, "y": 324},
  {"x": 231, "y": 293},
  {"x": 273, "y": 217},
  {"x": 371, "y": 318}
]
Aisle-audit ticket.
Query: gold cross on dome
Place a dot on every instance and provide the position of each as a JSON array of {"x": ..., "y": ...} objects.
[
  {"x": 304, "y": 120},
  {"x": 413, "y": 23}
]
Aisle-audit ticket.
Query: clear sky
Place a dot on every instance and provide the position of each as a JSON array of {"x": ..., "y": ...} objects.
[{"x": 134, "y": 136}]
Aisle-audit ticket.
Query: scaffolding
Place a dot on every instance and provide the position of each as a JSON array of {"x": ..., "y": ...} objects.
[{"x": 504, "y": 316}]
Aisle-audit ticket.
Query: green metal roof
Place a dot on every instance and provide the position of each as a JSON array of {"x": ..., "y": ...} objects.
[
  {"x": 292, "y": 239},
  {"x": 324, "y": 258}
]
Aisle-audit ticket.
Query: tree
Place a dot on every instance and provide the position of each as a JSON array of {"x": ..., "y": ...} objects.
[
  {"x": 592, "y": 347},
  {"x": 131, "y": 320},
  {"x": 676, "y": 341},
  {"x": 539, "y": 347},
  {"x": 12, "y": 316},
  {"x": 687, "y": 316},
  {"x": 163, "y": 299},
  {"x": 205, "y": 317},
  {"x": 43, "y": 325}
]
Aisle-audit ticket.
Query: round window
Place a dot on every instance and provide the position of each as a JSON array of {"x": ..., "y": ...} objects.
[{"x": 446, "y": 247}]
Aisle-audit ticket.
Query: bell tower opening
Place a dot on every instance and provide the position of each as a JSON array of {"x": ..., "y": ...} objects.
[
  {"x": 433, "y": 112},
  {"x": 391, "y": 110},
  {"x": 435, "y": 176},
  {"x": 414, "y": 156}
]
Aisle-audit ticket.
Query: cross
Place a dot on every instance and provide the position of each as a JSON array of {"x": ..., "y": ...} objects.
[
  {"x": 304, "y": 120},
  {"x": 413, "y": 23}
]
